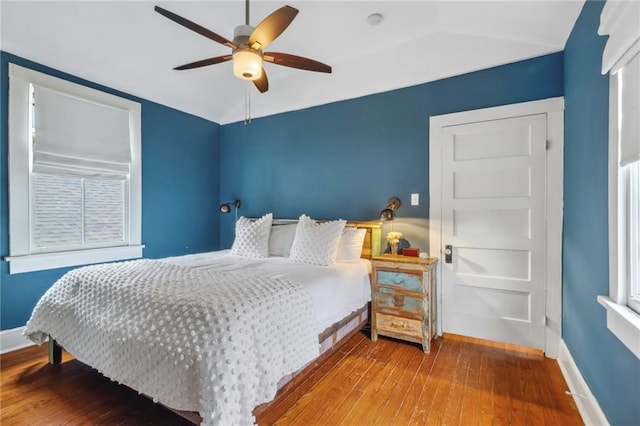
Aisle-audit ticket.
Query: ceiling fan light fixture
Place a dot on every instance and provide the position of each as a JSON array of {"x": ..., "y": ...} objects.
[{"x": 247, "y": 63}]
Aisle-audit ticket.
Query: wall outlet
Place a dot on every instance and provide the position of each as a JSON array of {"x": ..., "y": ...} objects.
[{"x": 415, "y": 199}]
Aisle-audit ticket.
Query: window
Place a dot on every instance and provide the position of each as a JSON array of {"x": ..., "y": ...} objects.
[
  {"x": 621, "y": 59},
  {"x": 626, "y": 164},
  {"x": 74, "y": 174}
]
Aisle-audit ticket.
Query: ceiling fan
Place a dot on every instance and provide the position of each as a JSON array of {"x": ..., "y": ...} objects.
[{"x": 248, "y": 44}]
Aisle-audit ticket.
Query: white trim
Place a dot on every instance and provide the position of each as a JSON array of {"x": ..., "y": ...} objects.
[
  {"x": 620, "y": 20},
  {"x": 543, "y": 106},
  {"x": 624, "y": 323},
  {"x": 135, "y": 179},
  {"x": 12, "y": 340},
  {"x": 616, "y": 266},
  {"x": 19, "y": 161},
  {"x": 78, "y": 90},
  {"x": 587, "y": 404},
  {"x": 554, "y": 108},
  {"x": 554, "y": 200},
  {"x": 40, "y": 262}
]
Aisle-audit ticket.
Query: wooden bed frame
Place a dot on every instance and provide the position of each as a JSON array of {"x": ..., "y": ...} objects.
[{"x": 330, "y": 339}]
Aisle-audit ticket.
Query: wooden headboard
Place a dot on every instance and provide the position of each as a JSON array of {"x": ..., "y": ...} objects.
[{"x": 371, "y": 245}]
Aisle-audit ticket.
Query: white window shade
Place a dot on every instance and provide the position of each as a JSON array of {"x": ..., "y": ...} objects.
[
  {"x": 78, "y": 136},
  {"x": 70, "y": 212},
  {"x": 104, "y": 211},
  {"x": 630, "y": 115},
  {"x": 57, "y": 212},
  {"x": 620, "y": 20}
]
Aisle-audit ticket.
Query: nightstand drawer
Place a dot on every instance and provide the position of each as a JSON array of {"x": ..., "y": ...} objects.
[
  {"x": 404, "y": 280},
  {"x": 388, "y": 301},
  {"x": 398, "y": 325}
]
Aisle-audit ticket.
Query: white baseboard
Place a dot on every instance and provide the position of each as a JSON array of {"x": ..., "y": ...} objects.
[
  {"x": 590, "y": 410},
  {"x": 11, "y": 340}
]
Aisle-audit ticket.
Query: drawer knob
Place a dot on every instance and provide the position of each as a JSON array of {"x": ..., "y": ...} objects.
[{"x": 398, "y": 324}]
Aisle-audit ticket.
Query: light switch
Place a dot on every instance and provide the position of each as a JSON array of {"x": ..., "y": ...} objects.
[{"x": 415, "y": 199}]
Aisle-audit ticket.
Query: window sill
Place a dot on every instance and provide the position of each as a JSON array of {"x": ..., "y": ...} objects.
[
  {"x": 624, "y": 323},
  {"x": 41, "y": 262}
]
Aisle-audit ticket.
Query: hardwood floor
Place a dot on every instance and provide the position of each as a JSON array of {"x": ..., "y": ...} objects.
[{"x": 463, "y": 381}]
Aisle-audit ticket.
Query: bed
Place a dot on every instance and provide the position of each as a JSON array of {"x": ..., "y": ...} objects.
[{"x": 214, "y": 335}]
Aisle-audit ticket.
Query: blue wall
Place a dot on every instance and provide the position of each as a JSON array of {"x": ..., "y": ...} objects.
[
  {"x": 610, "y": 369},
  {"x": 347, "y": 158},
  {"x": 180, "y": 191}
]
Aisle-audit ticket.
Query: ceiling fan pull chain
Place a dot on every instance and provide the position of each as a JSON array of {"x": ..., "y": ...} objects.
[{"x": 247, "y": 103}]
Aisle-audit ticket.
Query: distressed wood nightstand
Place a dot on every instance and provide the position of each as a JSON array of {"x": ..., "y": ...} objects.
[{"x": 403, "y": 298}]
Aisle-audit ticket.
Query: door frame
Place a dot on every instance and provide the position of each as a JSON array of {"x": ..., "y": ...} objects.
[{"x": 554, "y": 109}]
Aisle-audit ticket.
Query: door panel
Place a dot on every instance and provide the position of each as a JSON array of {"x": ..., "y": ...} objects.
[
  {"x": 501, "y": 183},
  {"x": 487, "y": 223},
  {"x": 513, "y": 305},
  {"x": 506, "y": 142},
  {"x": 501, "y": 264},
  {"x": 493, "y": 215}
]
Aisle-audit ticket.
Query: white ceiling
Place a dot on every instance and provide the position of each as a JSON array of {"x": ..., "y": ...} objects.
[{"x": 127, "y": 46}]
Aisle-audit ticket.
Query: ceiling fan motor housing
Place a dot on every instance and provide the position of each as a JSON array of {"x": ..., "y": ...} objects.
[{"x": 241, "y": 34}]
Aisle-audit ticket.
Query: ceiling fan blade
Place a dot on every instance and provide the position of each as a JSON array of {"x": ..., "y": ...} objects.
[
  {"x": 262, "y": 83},
  {"x": 195, "y": 27},
  {"x": 294, "y": 61},
  {"x": 204, "y": 62},
  {"x": 271, "y": 27}
]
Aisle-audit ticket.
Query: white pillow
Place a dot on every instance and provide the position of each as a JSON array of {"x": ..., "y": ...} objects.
[
  {"x": 350, "y": 245},
  {"x": 316, "y": 243},
  {"x": 252, "y": 238},
  {"x": 281, "y": 239}
]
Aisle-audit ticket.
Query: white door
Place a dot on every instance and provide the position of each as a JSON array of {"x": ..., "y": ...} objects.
[{"x": 493, "y": 218}]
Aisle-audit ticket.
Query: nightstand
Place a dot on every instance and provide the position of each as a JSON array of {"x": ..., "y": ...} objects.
[{"x": 403, "y": 298}]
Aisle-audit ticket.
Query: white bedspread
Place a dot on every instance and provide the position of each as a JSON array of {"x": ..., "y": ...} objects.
[
  {"x": 335, "y": 291},
  {"x": 190, "y": 336}
]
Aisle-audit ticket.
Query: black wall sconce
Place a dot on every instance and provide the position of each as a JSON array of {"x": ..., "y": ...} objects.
[
  {"x": 389, "y": 212},
  {"x": 226, "y": 207}
]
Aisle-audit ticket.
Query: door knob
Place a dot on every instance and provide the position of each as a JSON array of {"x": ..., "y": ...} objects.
[{"x": 448, "y": 251}]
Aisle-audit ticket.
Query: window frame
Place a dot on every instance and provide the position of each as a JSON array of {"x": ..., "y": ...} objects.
[
  {"x": 21, "y": 258},
  {"x": 622, "y": 321}
]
